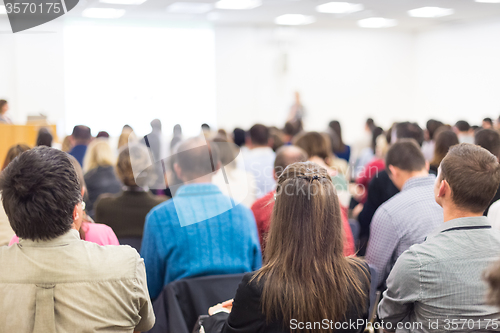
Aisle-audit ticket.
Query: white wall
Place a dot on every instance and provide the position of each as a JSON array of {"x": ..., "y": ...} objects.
[
  {"x": 448, "y": 73},
  {"x": 345, "y": 75},
  {"x": 458, "y": 72},
  {"x": 32, "y": 73}
]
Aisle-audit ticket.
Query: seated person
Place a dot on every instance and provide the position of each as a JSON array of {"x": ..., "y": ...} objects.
[
  {"x": 89, "y": 231},
  {"x": 490, "y": 140},
  {"x": 305, "y": 277},
  {"x": 100, "y": 176},
  {"x": 199, "y": 231},
  {"x": 409, "y": 216},
  {"x": 54, "y": 281},
  {"x": 126, "y": 211},
  {"x": 263, "y": 207},
  {"x": 6, "y": 231},
  {"x": 439, "y": 282}
]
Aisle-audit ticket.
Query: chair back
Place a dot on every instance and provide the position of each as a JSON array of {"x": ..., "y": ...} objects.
[
  {"x": 181, "y": 302},
  {"x": 135, "y": 242}
]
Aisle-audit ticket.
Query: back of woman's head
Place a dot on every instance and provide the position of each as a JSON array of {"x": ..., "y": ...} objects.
[
  {"x": 315, "y": 144},
  {"x": 444, "y": 139},
  {"x": 14, "y": 152},
  {"x": 44, "y": 138},
  {"x": 99, "y": 154},
  {"x": 304, "y": 261},
  {"x": 134, "y": 166}
]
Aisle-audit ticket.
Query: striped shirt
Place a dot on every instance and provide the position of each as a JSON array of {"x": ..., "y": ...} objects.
[
  {"x": 405, "y": 219},
  {"x": 438, "y": 284}
]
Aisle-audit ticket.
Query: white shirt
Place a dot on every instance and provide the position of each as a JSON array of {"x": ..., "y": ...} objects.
[
  {"x": 494, "y": 215},
  {"x": 241, "y": 185},
  {"x": 260, "y": 162}
]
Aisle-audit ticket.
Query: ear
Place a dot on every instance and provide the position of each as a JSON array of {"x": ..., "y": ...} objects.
[
  {"x": 427, "y": 166},
  {"x": 394, "y": 171},
  {"x": 443, "y": 188},
  {"x": 83, "y": 191},
  {"x": 76, "y": 213},
  {"x": 270, "y": 142},
  {"x": 248, "y": 142},
  {"x": 218, "y": 166},
  {"x": 178, "y": 171}
]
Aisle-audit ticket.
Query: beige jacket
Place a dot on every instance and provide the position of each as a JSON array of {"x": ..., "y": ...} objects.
[
  {"x": 6, "y": 231},
  {"x": 69, "y": 285}
]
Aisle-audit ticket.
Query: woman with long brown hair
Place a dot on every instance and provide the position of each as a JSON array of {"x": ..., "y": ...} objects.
[{"x": 305, "y": 277}]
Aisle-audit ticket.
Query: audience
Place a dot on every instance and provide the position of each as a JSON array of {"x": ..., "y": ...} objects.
[
  {"x": 239, "y": 137},
  {"x": 80, "y": 139},
  {"x": 341, "y": 150},
  {"x": 234, "y": 182},
  {"x": 60, "y": 283},
  {"x": 259, "y": 159},
  {"x": 200, "y": 231},
  {"x": 490, "y": 140},
  {"x": 99, "y": 172},
  {"x": 263, "y": 207},
  {"x": 125, "y": 212},
  {"x": 176, "y": 137},
  {"x": 89, "y": 231},
  {"x": 304, "y": 264},
  {"x": 367, "y": 154},
  {"x": 439, "y": 281},
  {"x": 444, "y": 140},
  {"x": 428, "y": 145},
  {"x": 6, "y": 231},
  {"x": 409, "y": 216},
  {"x": 463, "y": 131},
  {"x": 44, "y": 138},
  {"x": 66, "y": 145},
  {"x": 381, "y": 188},
  {"x": 126, "y": 136},
  {"x": 4, "y": 107},
  {"x": 487, "y": 123},
  {"x": 102, "y": 134}
]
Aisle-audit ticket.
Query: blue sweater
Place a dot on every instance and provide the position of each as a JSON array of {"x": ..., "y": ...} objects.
[{"x": 225, "y": 242}]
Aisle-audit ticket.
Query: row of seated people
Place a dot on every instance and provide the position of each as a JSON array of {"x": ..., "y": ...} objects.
[{"x": 304, "y": 254}]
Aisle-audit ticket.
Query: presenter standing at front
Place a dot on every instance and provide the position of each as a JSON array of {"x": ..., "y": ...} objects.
[{"x": 4, "y": 107}]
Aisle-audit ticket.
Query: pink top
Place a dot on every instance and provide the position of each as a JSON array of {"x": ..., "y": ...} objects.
[{"x": 94, "y": 232}]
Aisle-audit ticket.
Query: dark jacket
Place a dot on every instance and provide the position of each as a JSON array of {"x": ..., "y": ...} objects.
[
  {"x": 100, "y": 180},
  {"x": 126, "y": 211},
  {"x": 247, "y": 316}
]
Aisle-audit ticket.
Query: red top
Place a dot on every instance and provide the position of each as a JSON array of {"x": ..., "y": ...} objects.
[
  {"x": 369, "y": 171},
  {"x": 263, "y": 207}
]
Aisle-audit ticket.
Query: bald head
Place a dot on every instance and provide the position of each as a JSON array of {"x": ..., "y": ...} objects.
[
  {"x": 287, "y": 155},
  {"x": 195, "y": 159}
]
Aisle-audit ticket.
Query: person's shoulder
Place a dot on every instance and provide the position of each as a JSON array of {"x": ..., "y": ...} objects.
[
  {"x": 112, "y": 261},
  {"x": 262, "y": 202},
  {"x": 163, "y": 211}
]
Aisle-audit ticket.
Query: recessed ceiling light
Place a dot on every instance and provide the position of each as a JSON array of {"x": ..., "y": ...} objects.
[
  {"x": 3, "y": 10},
  {"x": 294, "y": 19},
  {"x": 430, "y": 12},
  {"x": 104, "y": 13},
  {"x": 339, "y": 8},
  {"x": 488, "y": 1},
  {"x": 189, "y": 7},
  {"x": 238, "y": 4},
  {"x": 377, "y": 22},
  {"x": 123, "y": 2}
]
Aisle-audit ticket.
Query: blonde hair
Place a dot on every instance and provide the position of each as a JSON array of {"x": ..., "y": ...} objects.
[
  {"x": 98, "y": 154},
  {"x": 126, "y": 136}
]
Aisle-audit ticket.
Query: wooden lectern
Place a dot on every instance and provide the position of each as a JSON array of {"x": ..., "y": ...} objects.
[{"x": 15, "y": 134}]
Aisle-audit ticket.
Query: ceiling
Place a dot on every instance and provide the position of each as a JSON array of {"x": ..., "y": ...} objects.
[{"x": 466, "y": 11}]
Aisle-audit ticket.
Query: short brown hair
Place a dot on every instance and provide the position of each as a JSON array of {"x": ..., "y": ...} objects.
[
  {"x": 473, "y": 174},
  {"x": 489, "y": 140},
  {"x": 406, "y": 155},
  {"x": 132, "y": 158},
  {"x": 196, "y": 157},
  {"x": 259, "y": 134}
]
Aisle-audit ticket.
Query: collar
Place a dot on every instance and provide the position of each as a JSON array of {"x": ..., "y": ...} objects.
[
  {"x": 475, "y": 221},
  {"x": 197, "y": 189},
  {"x": 262, "y": 150},
  {"x": 419, "y": 181},
  {"x": 70, "y": 236}
]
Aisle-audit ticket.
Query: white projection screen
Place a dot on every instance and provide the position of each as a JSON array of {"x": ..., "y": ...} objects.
[{"x": 132, "y": 74}]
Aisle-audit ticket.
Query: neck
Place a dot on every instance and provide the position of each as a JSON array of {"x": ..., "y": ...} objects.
[
  {"x": 415, "y": 174},
  {"x": 451, "y": 212},
  {"x": 200, "y": 180},
  {"x": 258, "y": 146}
]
